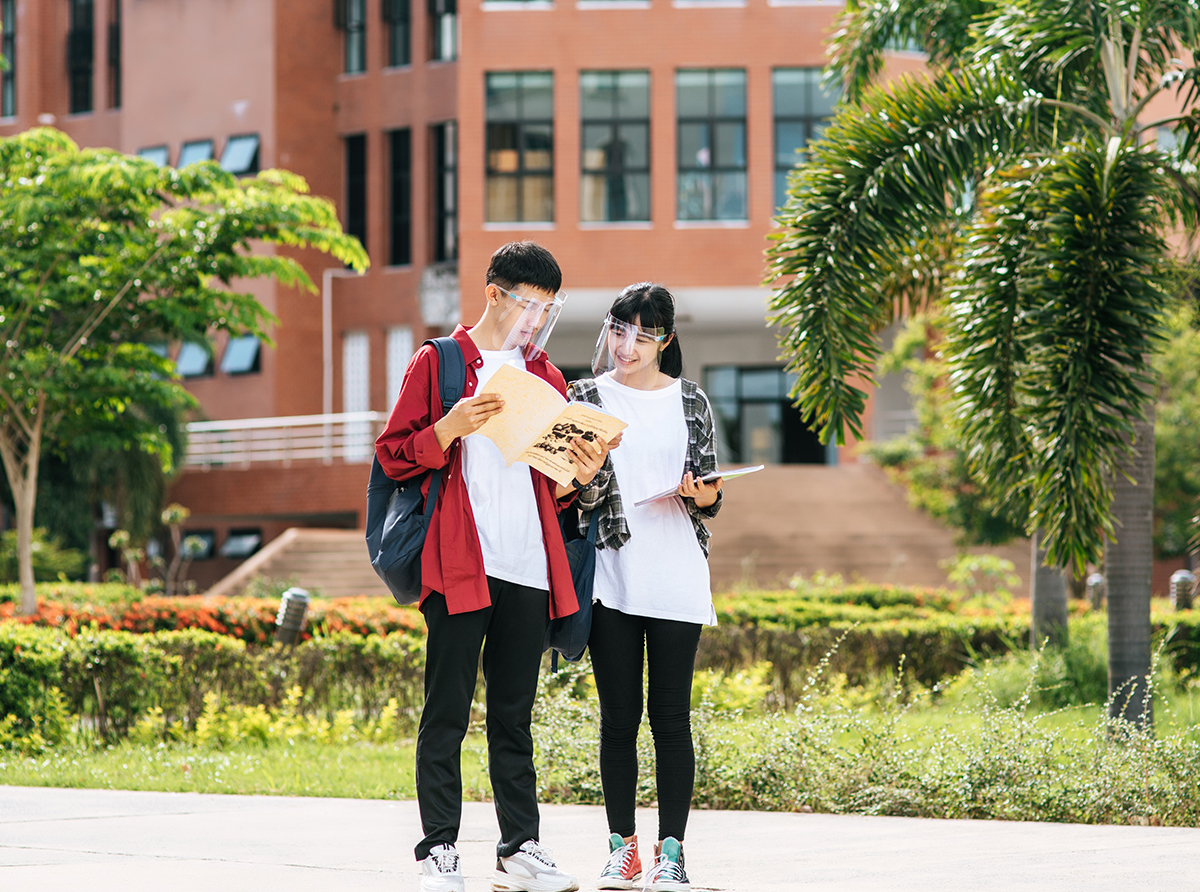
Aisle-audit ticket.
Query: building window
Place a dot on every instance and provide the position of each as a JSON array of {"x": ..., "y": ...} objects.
[
  {"x": 192, "y": 152},
  {"x": 445, "y": 191},
  {"x": 615, "y": 110},
  {"x": 8, "y": 49},
  {"x": 114, "y": 54},
  {"x": 443, "y": 23},
  {"x": 160, "y": 155},
  {"x": 802, "y": 107},
  {"x": 241, "y": 544},
  {"x": 399, "y": 352},
  {"x": 520, "y": 147},
  {"x": 400, "y": 151},
  {"x": 350, "y": 16},
  {"x": 356, "y": 187},
  {"x": 240, "y": 155},
  {"x": 194, "y": 360},
  {"x": 81, "y": 54},
  {"x": 241, "y": 356},
  {"x": 397, "y": 17},
  {"x": 711, "y": 109},
  {"x": 356, "y": 393},
  {"x": 755, "y": 420},
  {"x": 200, "y": 547}
]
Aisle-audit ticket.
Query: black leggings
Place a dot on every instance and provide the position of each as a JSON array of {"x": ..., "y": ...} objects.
[{"x": 617, "y": 643}]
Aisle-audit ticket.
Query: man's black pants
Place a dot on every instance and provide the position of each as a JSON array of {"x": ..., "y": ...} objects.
[{"x": 510, "y": 633}]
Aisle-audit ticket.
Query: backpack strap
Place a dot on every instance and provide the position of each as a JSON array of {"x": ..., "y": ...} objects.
[{"x": 452, "y": 381}]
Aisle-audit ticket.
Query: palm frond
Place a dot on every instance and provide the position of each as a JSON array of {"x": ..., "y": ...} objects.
[
  {"x": 885, "y": 174},
  {"x": 1096, "y": 282},
  {"x": 866, "y": 30}
]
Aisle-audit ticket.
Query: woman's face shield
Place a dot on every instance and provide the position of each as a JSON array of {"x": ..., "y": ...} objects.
[
  {"x": 625, "y": 348},
  {"x": 527, "y": 319}
]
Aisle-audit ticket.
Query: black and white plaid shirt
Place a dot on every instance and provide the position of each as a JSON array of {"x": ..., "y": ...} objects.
[{"x": 612, "y": 530}]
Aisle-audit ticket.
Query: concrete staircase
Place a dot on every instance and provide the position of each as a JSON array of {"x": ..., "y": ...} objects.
[
  {"x": 785, "y": 520},
  {"x": 333, "y": 563},
  {"x": 847, "y": 519}
]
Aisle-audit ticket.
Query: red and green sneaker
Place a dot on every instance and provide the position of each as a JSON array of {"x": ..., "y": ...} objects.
[
  {"x": 667, "y": 874},
  {"x": 623, "y": 867}
]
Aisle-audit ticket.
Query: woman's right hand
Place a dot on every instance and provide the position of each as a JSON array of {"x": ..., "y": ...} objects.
[{"x": 467, "y": 416}]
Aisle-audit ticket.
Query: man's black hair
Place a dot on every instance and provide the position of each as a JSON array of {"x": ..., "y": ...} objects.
[{"x": 524, "y": 263}]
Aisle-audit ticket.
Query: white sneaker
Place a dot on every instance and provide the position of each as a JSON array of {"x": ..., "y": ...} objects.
[
  {"x": 531, "y": 869},
  {"x": 440, "y": 871},
  {"x": 667, "y": 874}
]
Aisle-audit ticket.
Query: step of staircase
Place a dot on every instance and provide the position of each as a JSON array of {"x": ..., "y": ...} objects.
[
  {"x": 782, "y": 521},
  {"x": 849, "y": 519}
]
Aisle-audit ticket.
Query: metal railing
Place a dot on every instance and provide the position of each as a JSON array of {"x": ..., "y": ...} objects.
[{"x": 349, "y": 436}]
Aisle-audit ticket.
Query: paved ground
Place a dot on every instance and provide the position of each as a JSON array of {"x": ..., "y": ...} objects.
[{"x": 147, "y": 842}]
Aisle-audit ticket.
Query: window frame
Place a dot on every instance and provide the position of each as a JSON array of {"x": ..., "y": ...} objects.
[
  {"x": 113, "y": 50},
  {"x": 614, "y": 123},
  {"x": 443, "y": 30},
  {"x": 252, "y": 168},
  {"x": 444, "y": 138},
  {"x": 711, "y": 120},
  {"x": 356, "y": 192},
  {"x": 400, "y": 233},
  {"x": 81, "y": 57},
  {"x": 397, "y": 17},
  {"x": 809, "y": 120},
  {"x": 255, "y": 365},
  {"x": 8, "y": 48},
  {"x": 350, "y": 17},
  {"x": 522, "y": 125}
]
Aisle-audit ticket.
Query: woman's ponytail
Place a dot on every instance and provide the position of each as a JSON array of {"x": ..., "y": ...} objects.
[{"x": 652, "y": 306}]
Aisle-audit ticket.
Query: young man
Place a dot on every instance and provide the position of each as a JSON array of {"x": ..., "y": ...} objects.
[{"x": 494, "y": 571}]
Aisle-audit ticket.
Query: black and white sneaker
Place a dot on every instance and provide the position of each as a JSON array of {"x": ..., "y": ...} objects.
[
  {"x": 440, "y": 871},
  {"x": 531, "y": 869}
]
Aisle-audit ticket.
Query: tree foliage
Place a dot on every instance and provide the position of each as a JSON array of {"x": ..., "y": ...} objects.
[
  {"x": 1025, "y": 141},
  {"x": 105, "y": 258}
]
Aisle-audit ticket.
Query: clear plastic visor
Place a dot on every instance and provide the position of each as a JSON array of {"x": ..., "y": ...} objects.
[
  {"x": 527, "y": 320},
  {"x": 623, "y": 345}
]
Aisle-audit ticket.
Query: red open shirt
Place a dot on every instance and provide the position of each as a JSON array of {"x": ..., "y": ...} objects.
[{"x": 452, "y": 562}]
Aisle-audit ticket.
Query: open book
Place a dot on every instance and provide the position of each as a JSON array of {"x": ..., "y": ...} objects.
[
  {"x": 537, "y": 424},
  {"x": 707, "y": 478}
]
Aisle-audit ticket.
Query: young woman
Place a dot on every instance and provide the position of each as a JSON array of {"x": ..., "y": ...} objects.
[{"x": 651, "y": 592}]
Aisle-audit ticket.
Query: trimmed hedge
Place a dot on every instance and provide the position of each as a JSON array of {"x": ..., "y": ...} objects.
[{"x": 112, "y": 678}]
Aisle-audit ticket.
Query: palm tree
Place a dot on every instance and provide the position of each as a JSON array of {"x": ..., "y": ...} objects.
[{"x": 1026, "y": 139}]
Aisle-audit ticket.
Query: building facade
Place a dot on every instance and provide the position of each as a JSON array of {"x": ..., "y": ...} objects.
[{"x": 637, "y": 139}]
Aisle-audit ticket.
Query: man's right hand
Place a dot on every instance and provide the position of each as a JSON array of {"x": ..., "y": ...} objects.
[{"x": 467, "y": 416}]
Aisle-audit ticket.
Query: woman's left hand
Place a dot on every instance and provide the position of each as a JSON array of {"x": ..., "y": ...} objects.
[{"x": 703, "y": 494}]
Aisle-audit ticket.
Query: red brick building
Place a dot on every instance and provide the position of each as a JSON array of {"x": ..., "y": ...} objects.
[{"x": 637, "y": 139}]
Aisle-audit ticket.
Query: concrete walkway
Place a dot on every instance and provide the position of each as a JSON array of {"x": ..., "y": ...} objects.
[{"x": 148, "y": 842}]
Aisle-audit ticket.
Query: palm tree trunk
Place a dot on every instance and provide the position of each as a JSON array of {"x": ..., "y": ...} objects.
[
  {"x": 1128, "y": 564},
  {"x": 1048, "y": 596}
]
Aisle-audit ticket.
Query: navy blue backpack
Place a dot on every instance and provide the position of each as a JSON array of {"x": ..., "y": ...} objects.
[{"x": 397, "y": 516}]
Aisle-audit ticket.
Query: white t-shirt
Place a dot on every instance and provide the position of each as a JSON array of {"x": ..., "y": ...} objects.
[
  {"x": 661, "y": 571},
  {"x": 502, "y": 499}
]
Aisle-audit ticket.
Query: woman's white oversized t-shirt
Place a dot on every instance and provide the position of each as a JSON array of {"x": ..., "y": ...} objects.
[
  {"x": 502, "y": 499},
  {"x": 661, "y": 571}
]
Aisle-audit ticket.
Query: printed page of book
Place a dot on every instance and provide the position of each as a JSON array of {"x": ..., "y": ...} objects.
[
  {"x": 549, "y": 453},
  {"x": 530, "y": 406}
]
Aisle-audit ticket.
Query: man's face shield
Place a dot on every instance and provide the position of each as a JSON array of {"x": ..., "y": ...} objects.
[
  {"x": 527, "y": 319},
  {"x": 624, "y": 347}
]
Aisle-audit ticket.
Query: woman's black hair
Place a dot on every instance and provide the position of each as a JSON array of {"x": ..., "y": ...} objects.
[{"x": 652, "y": 306}]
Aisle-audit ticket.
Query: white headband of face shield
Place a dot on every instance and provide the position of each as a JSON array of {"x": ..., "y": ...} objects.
[
  {"x": 528, "y": 320},
  {"x": 621, "y": 344}
]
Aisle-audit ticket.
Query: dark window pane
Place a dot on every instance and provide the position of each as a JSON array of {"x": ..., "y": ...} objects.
[
  {"x": 537, "y": 95},
  {"x": 722, "y": 384},
  {"x": 789, "y": 136},
  {"x": 731, "y": 144},
  {"x": 502, "y": 97},
  {"x": 356, "y": 187},
  {"x": 633, "y": 94},
  {"x": 400, "y": 151},
  {"x": 730, "y": 93},
  {"x": 539, "y": 146},
  {"x": 692, "y": 94},
  {"x": 694, "y": 148},
  {"x": 762, "y": 384},
  {"x": 634, "y": 140},
  {"x": 596, "y": 141},
  {"x": 730, "y": 196}
]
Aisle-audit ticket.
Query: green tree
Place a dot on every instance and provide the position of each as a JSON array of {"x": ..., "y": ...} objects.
[
  {"x": 103, "y": 256},
  {"x": 1026, "y": 139},
  {"x": 1177, "y": 432}
]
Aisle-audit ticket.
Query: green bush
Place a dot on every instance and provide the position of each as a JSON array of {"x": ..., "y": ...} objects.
[
  {"x": 30, "y": 678},
  {"x": 51, "y": 561}
]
